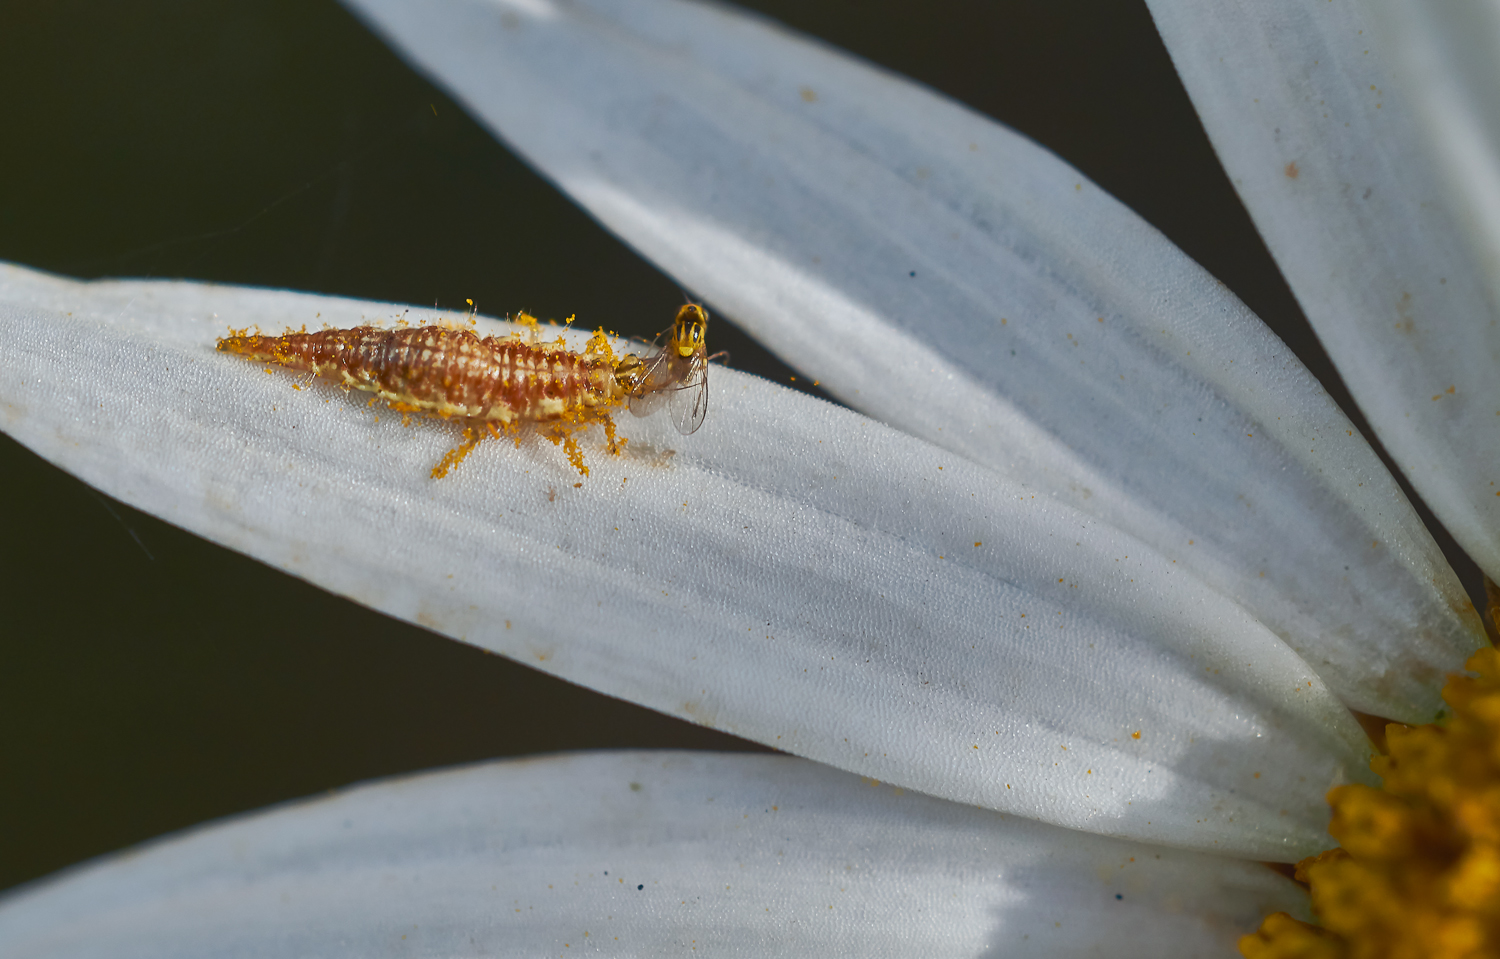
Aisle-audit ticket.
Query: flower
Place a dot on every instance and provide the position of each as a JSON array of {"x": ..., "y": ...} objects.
[{"x": 921, "y": 525}]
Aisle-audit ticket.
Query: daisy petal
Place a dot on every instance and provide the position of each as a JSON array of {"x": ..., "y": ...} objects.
[
  {"x": 641, "y": 854},
  {"x": 1450, "y": 52},
  {"x": 792, "y": 573},
  {"x": 1319, "y": 128},
  {"x": 951, "y": 278}
]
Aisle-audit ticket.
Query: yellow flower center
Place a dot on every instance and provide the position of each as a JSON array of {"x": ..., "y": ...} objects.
[{"x": 1417, "y": 874}]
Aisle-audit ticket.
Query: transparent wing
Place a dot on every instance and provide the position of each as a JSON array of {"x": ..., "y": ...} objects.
[
  {"x": 690, "y": 397},
  {"x": 656, "y": 379},
  {"x": 644, "y": 404},
  {"x": 680, "y": 381}
]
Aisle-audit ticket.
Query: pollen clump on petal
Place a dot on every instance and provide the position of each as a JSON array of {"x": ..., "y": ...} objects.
[{"x": 1418, "y": 871}]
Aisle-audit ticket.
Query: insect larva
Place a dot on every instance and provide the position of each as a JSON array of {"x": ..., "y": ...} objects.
[{"x": 499, "y": 383}]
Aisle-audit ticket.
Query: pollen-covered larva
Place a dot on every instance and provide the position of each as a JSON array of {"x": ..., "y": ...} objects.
[{"x": 497, "y": 383}]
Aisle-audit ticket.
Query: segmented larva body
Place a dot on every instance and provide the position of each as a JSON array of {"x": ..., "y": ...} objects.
[
  {"x": 488, "y": 382},
  {"x": 447, "y": 372}
]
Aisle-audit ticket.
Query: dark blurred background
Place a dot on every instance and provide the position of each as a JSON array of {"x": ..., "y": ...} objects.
[{"x": 279, "y": 143}]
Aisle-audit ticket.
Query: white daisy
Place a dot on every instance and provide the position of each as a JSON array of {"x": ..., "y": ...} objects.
[{"x": 1116, "y": 564}]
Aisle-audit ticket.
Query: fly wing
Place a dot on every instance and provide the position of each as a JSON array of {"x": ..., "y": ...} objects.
[
  {"x": 655, "y": 382},
  {"x": 679, "y": 381},
  {"x": 644, "y": 404},
  {"x": 690, "y": 397}
]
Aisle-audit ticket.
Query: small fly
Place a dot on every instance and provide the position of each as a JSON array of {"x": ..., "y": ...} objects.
[{"x": 677, "y": 375}]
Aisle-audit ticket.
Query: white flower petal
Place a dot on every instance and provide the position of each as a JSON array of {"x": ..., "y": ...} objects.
[
  {"x": 1319, "y": 129},
  {"x": 1451, "y": 55},
  {"x": 641, "y": 854},
  {"x": 794, "y": 574},
  {"x": 955, "y": 280}
]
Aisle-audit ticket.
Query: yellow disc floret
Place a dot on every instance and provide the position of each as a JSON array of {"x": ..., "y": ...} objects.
[{"x": 1417, "y": 874}]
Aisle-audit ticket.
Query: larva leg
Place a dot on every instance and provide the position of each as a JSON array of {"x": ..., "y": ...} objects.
[
  {"x": 615, "y": 443},
  {"x": 562, "y": 435},
  {"x": 456, "y": 455}
]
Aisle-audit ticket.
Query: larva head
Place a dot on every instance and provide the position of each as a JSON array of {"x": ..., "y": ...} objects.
[
  {"x": 689, "y": 330},
  {"x": 629, "y": 369}
]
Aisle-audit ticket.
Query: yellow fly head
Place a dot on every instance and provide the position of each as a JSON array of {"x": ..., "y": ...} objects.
[{"x": 690, "y": 329}]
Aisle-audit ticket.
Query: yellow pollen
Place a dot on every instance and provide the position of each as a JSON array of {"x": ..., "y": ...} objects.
[{"x": 1417, "y": 873}]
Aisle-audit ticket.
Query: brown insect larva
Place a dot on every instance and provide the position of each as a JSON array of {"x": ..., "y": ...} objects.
[
  {"x": 496, "y": 383},
  {"x": 491, "y": 383}
]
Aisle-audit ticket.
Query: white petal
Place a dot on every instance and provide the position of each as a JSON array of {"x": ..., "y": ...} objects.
[
  {"x": 1451, "y": 58},
  {"x": 794, "y": 574},
  {"x": 1318, "y": 128},
  {"x": 642, "y": 854},
  {"x": 955, "y": 280}
]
